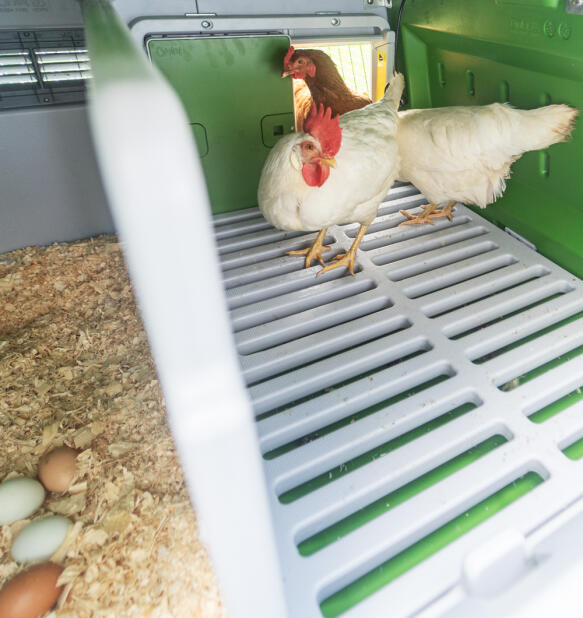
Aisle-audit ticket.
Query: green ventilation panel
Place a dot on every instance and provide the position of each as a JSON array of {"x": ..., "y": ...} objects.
[
  {"x": 236, "y": 102},
  {"x": 525, "y": 52}
]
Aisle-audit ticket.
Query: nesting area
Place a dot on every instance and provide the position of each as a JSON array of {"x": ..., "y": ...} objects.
[{"x": 76, "y": 369}]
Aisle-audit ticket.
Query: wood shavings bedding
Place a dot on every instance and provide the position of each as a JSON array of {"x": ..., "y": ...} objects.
[{"x": 75, "y": 369}]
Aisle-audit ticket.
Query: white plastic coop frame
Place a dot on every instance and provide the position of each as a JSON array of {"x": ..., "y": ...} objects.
[{"x": 439, "y": 350}]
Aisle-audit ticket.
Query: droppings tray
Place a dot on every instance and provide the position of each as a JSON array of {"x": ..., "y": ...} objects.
[{"x": 410, "y": 412}]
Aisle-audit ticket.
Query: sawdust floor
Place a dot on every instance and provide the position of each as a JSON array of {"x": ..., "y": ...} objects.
[{"x": 75, "y": 369}]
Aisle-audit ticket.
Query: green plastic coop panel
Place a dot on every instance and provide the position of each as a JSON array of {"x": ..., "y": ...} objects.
[
  {"x": 237, "y": 104},
  {"x": 525, "y": 52}
]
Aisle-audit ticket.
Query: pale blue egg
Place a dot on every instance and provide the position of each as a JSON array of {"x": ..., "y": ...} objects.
[
  {"x": 19, "y": 498},
  {"x": 40, "y": 539}
]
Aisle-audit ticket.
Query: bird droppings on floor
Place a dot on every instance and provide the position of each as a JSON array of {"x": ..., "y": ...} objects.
[{"x": 75, "y": 369}]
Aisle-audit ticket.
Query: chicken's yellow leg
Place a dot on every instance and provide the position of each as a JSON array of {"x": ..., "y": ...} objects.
[
  {"x": 347, "y": 259},
  {"x": 315, "y": 251},
  {"x": 445, "y": 211},
  {"x": 427, "y": 214}
]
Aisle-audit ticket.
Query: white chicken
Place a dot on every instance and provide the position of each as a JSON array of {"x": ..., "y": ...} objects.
[
  {"x": 464, "y": 154},
  {"x": 298, "y": 190}
]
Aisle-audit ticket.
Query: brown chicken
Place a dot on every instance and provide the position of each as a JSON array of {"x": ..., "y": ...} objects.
[{"x": 324, "y": 82}]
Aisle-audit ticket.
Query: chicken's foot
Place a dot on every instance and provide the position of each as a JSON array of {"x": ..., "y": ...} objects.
[
  {"x": 428, "y": 214},
  {"x": 315, "y": 251},
  {"x": 347, "y": 259}
]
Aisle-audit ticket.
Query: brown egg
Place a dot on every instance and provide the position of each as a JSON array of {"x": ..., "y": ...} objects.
[
  {"x": 31, "y": 593},
  {"x": 57, "y": 468}
]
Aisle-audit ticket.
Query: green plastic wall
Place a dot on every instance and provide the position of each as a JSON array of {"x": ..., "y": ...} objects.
[
  {"x": 526, "y": 52},
  {"x": 237, "y": 104}
]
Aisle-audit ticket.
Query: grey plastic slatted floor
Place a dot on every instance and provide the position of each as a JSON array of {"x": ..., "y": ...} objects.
[{"x": 452, "y": 317}]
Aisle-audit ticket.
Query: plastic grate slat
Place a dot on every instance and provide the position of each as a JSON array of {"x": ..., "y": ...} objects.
[
  {"x": 352, "y": 398},
  {"x": 332, "y": 371},
  {"x": 272, "y": 309},
  {"x": 350, "y": 323}
]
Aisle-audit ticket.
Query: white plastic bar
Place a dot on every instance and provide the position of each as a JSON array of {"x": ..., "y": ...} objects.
[
  {"x": 19, "y": 69},
  {"x": 60, "y": 67},
  {"x": 158, "y": 197},
  {"x": 6, "y": 80},
  {"x": 12, "y": 58},
  {"x": 66, "y": 77},
  {"x": 65, "y": 55}
]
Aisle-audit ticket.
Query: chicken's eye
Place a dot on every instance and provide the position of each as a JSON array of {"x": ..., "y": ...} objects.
[
  {"x": 300, "y": 61},
  {"x": 309, "y": 147}
]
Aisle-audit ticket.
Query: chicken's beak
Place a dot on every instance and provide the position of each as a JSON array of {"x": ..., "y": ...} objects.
[
  {"x": 287, "y": 73},
  {"x": 329, "y": 161}
]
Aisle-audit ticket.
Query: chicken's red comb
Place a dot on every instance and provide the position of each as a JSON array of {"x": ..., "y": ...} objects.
[
  {"x": 324, "y": 128},
  {"x": 288, "y": 56}
]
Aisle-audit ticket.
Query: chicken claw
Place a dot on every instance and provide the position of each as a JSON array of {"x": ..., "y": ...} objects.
[
  {"x": 427, "y": 214},
  {"x": 315, "y": 251},
  {"x": 347, "y": 259}
]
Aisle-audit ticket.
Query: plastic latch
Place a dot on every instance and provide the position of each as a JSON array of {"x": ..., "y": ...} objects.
[{"x": 495, "y": 565}]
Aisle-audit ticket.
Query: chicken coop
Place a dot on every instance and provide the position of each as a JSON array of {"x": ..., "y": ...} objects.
[{"x": 404, "y": 441}]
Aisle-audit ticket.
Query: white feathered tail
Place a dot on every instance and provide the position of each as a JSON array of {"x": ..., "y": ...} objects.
[{"x": 465, "y": 153}]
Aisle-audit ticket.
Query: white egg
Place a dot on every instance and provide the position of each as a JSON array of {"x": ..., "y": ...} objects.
[
  {"x": 19, "y": 498},
  {"x": 40, "y": 539}
]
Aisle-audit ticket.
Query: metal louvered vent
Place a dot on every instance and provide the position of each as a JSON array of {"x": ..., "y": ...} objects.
[
  {"x": 42, "y": 67},
  {"x": 63, "y": 65},
  {"x": 16, "y": 68},
  {"x": 411, "y": 412}
]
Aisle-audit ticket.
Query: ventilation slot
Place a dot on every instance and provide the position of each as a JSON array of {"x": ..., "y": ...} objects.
[
  {"x": 519, "y": 350},
  {"x": 228, "y": 219},
  {"x": 396, "y": 566},
  {"x": 263, "y": 270},
  {"x": 257, "y": 239},
  {"x": 16, "y": 68},
  {"x": 401, "y": 195},
  {"x": 396, "y": 243},
  {"x": 245, "y": 226},
  {"x": 41, "y": 67},
  {"x": 389, "y": 501},
  {"x": 353, "y": 418},
  {"x": 273, "y": 287},
  {"x": 539, "y": 370},
  {"x": 550, "y": 410},
  {"x": 519, "y": 342},
  {"x": 349, "y": 466},
  {"x": 464, "y": 270},
  {"x": 311, "y": 380},
  {"x": 367, "y": 316},
  {"x": 435, "y": 260},
  {"x": 575, "y": 450},
  {"x": 478, "y": 287},
  {"x": 298, "y": 302},
  {"x": 63, "y": 65},
  {"x": 386, "y": 224},
  {"x": 316, "y": 440},
  {"x": 237, "y": 254},
  {"x": 532, "y": 298}
]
